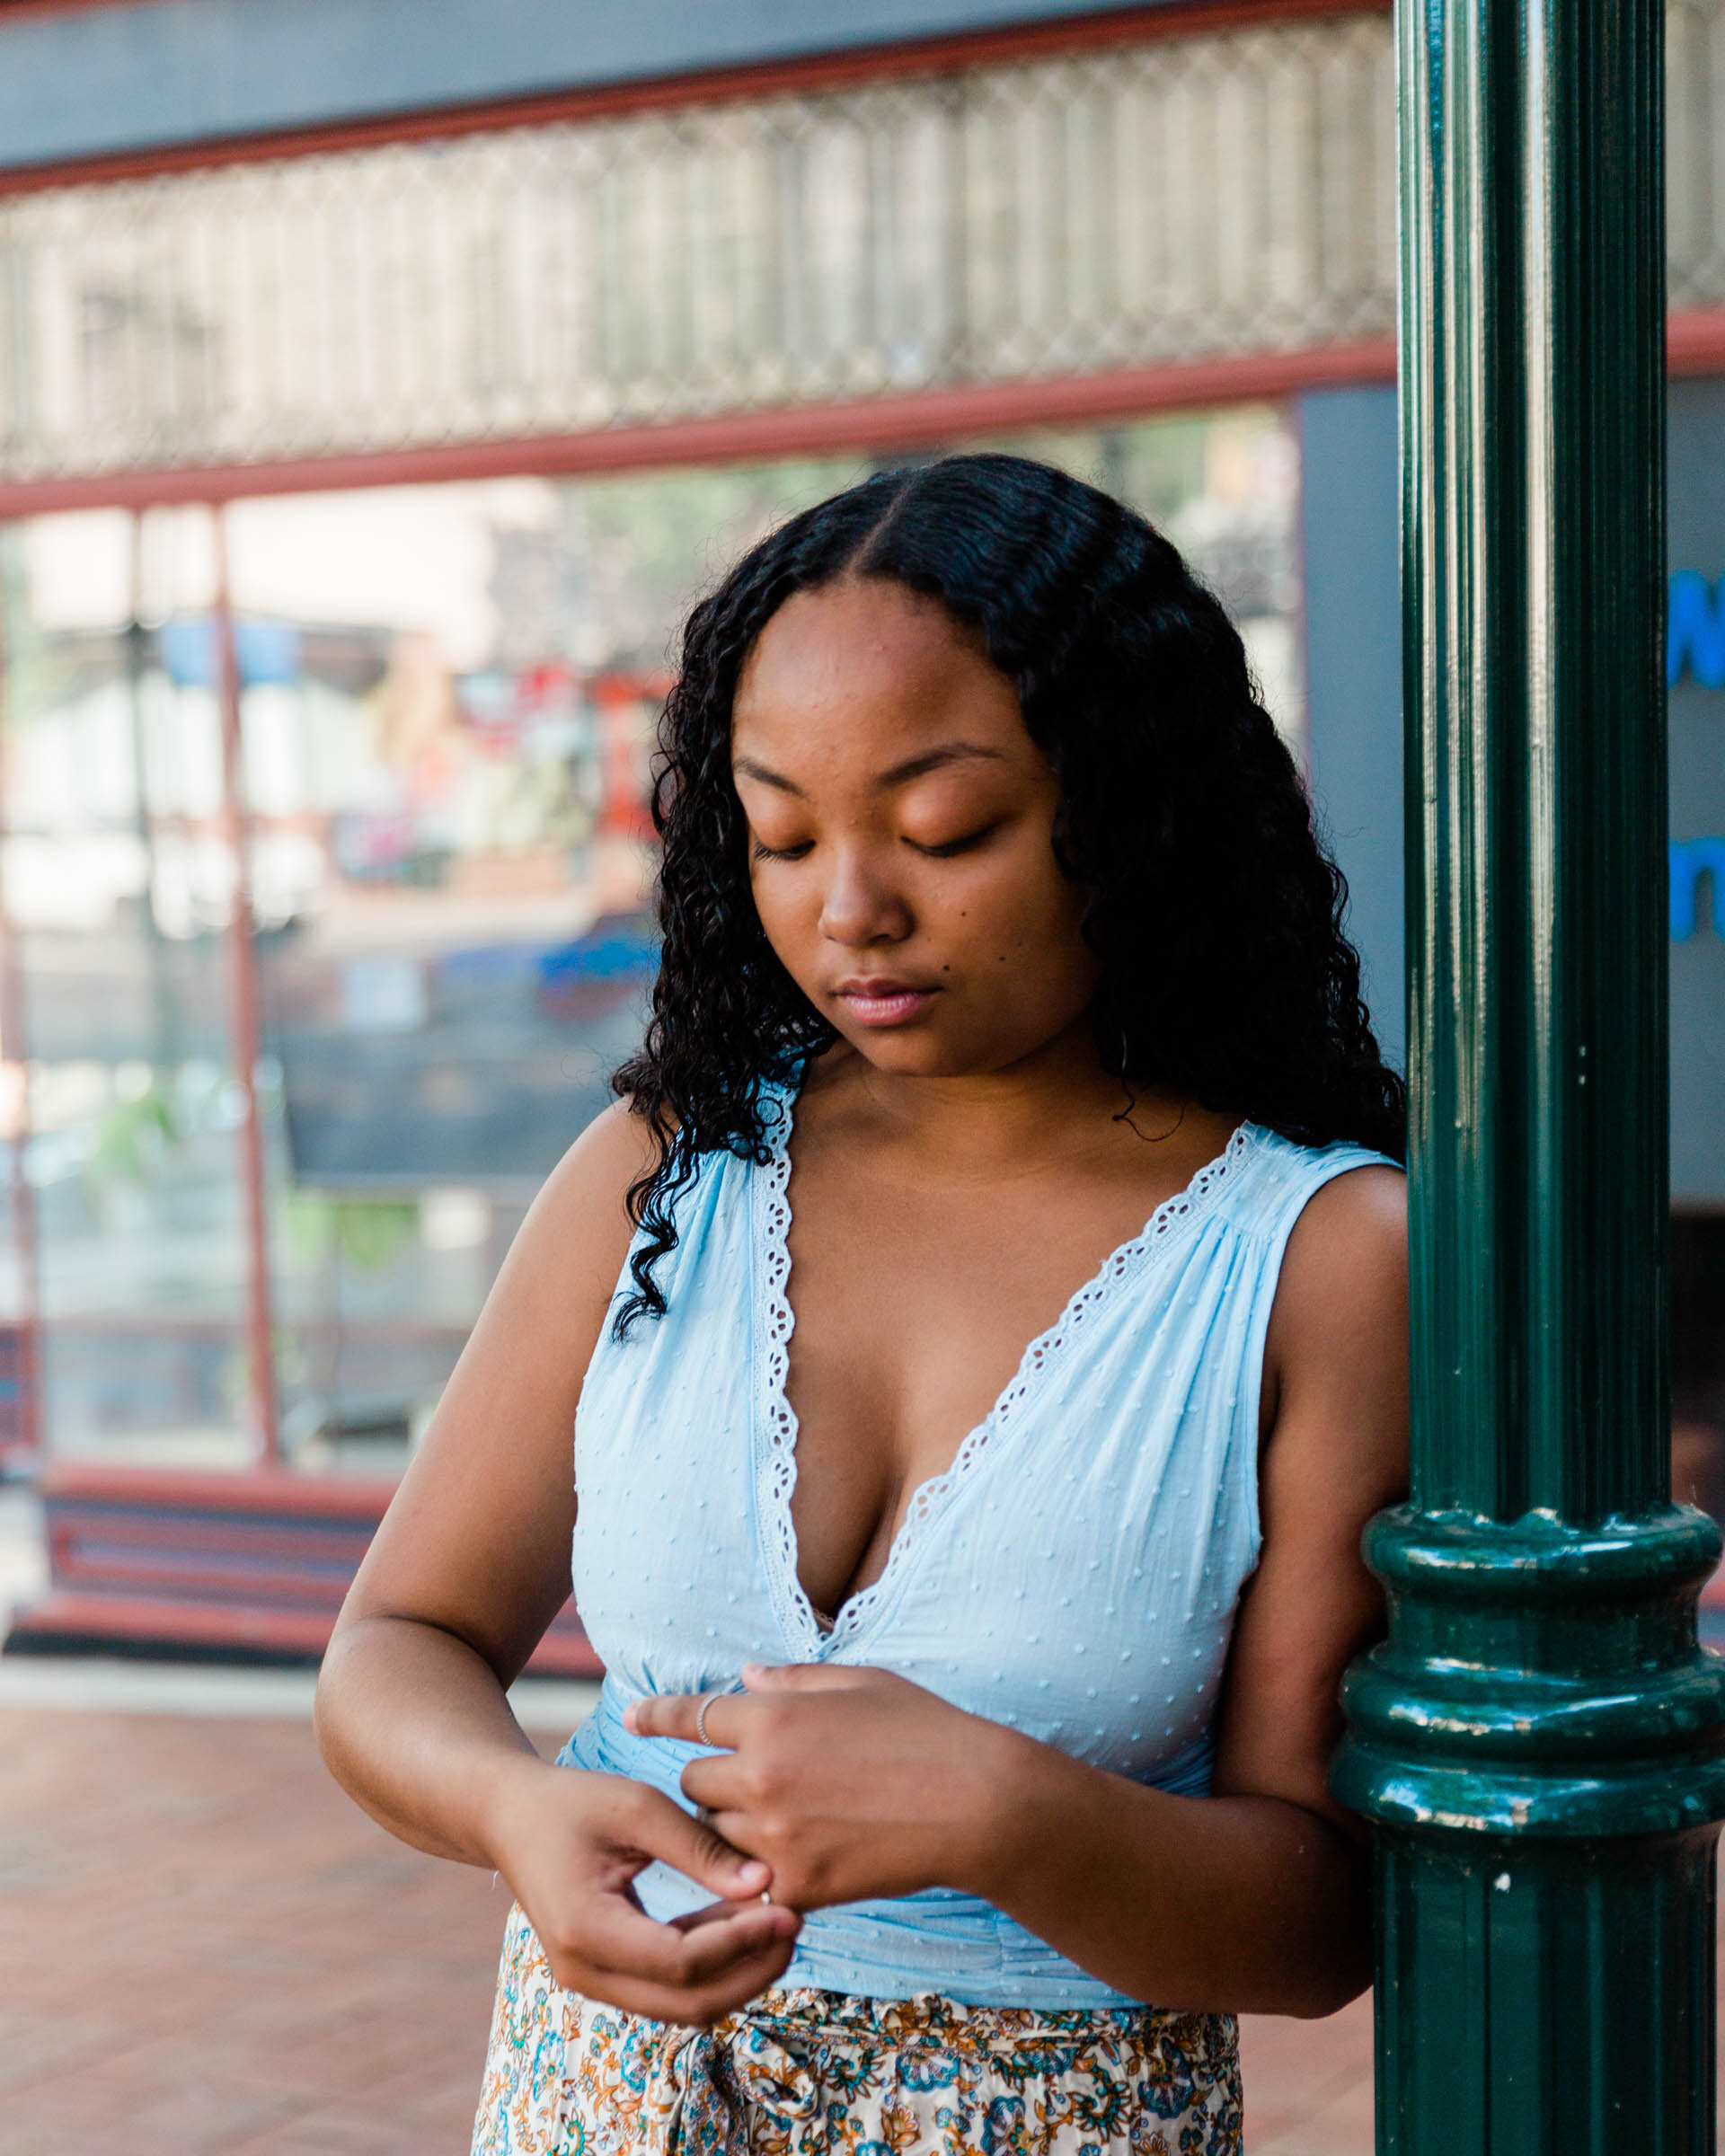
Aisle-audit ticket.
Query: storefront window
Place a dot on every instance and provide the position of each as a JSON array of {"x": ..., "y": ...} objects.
[
  {"x": 447, "y": 702},
  {"x": 118, "y": 888}
]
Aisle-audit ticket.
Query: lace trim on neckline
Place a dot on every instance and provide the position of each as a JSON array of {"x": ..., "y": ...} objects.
[{"x": 776, "y": 1418}]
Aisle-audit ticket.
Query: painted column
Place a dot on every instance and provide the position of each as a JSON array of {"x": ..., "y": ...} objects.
[
  {"x": 1541, "y": 1744},
  {"x": 25, "y": 1448},
  {"x": 243, "y": 1021}
]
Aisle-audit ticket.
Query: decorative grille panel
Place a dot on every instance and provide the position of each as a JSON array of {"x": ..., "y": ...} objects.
[
  {"x": 1160, "y": 201},
  {"x": 1170, "y": 200},
  {"x": 1695, "y": 160}
]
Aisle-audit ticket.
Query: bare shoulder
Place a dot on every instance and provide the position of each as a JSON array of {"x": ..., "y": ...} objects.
[
  {"x": 1364, "y": 1210},
  {"x": 1334, "y": 1452},
  {"x": 1336, "y": 1357},
  {"x": 1346, "y": 1265}
]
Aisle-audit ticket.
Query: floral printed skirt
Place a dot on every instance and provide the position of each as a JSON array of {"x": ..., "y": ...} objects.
[{"x": 801, "y": 2073}]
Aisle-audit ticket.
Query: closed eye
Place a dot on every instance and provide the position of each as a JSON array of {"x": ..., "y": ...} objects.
[
  {"x": 765, "y": 853},
  {"x": 949, "y": 847}
]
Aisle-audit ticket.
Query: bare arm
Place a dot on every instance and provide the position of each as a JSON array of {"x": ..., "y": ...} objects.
[
  {"x": 1257, "y": 1899},
  {"x": 470, "y": 1565},
  {"x": 1252, "y": 1899}
]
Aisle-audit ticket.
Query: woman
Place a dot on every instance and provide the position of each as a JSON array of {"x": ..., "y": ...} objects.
[{"x": 960, "y": 1766}]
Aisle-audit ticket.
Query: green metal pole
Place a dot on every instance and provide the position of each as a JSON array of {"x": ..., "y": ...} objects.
[{"x": 1541, "y": 1743}]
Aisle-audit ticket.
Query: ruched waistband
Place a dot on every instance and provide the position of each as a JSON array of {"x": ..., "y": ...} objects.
[{"x": 938, "y": 1940}]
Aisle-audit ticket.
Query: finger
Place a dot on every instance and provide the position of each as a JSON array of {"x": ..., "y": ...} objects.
[
  {"x": 669, "y": 1714},
  {"x": 663, "y": 1829},
  {"x": 737, "y": 1828},
  {"x": 714, "y": 1913},
  {"x": 714, "y": 1783},
  {"x": 619, "y": 1940},
  {"x": 678, "y": 1714},
  {"x": 699, "y": 2005}
]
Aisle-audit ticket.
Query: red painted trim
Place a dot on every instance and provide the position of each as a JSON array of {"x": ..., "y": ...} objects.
[
  {"x": 88, "y": 1537},
  {"x": 274, "y": 1492},
  {"x": 323, "y": 1538},
  {"x": 26, "y": 1241},
  {"x": 243, "y": 1023},
  {"x": 244, "y": 1584},
  {"x": 757, "y": 79},
  {"x": 1694, "y": 345},
  {"x": 926, "y": 416},
  {"x": 11, "y": 10},
  {"x": 1694, "y": 341}
]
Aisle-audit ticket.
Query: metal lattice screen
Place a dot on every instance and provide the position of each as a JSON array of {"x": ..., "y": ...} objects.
[
  {"x": 1694, "y": 162},
  {"x": 1172, "y": 200},
  {"x": 1163, "y": 201}
]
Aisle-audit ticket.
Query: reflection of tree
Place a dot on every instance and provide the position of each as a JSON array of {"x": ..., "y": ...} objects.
[
  {"x": 365, "y": 1233},
  {"x": 135, "y": 1140}
]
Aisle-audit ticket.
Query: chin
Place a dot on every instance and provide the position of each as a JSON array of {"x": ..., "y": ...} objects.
[
  {"x": 910, "y": 1048},
  {"x": 916, "y": 1052}
]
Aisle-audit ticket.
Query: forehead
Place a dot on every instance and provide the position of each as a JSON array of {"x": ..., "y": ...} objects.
[{"x": 870, "y": 668}]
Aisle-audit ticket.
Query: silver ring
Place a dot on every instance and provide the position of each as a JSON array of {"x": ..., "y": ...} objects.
[{"x": 701, "y": 1719}]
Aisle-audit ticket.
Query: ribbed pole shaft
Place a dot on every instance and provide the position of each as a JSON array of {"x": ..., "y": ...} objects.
[
  {"x": 1540, "y": 1741},
  {"x": 1533, "y": 460}
]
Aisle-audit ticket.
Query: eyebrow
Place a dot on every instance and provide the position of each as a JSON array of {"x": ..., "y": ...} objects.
[{"x": 900, "y": 774}]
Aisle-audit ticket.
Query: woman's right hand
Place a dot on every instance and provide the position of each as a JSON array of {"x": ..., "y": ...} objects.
[{"x": 571, "y": 1844}]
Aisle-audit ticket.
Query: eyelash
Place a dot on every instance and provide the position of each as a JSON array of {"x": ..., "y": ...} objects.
[
  {"x": 958, "y": 845},
  {"x": 952, "y": 847}
]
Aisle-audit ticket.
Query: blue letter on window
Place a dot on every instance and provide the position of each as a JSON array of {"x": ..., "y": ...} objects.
[
  {"x": 1696, "y": 631},
  {"x": 1691, "y": 860}
]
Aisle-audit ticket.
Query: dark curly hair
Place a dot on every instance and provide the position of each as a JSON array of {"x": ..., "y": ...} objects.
[{"x": 1214, "y": 909}]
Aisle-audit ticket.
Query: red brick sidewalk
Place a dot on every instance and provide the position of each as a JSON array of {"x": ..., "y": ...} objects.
[{"x": 206, "y": 1948}]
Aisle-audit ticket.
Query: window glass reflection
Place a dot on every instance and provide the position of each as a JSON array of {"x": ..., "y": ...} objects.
[{"x": 447, "y": 699}]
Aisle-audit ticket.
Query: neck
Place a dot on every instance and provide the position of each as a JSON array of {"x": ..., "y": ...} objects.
[{"x": 1059, "y": 1091}]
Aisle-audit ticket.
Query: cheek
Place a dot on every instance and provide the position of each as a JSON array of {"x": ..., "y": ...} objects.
[
  {"x": 1014, "y": 939},
  {"x": 788, "y": 911},
  {"x": 1027, "y": 911},
  {"x": 1049, "y": 953}
]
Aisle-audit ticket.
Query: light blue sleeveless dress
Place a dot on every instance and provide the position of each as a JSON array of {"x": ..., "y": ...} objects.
[{"x": 1074, "y": 1575}]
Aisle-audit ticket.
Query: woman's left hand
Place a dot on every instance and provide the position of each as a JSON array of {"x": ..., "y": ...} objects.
[{"x": 850, "y": 1784}]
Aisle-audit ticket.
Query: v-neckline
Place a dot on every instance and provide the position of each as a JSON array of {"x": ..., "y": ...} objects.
[{"x": 775, "y": 1429}]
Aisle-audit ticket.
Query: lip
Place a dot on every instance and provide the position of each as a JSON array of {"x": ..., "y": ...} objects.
[{"x": 884, "y": 1002}]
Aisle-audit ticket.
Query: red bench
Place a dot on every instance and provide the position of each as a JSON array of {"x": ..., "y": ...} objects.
[{"x": 248, "y": 1567}]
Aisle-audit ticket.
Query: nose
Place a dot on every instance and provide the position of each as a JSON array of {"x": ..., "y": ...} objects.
[{"x": 861, "y": 904}]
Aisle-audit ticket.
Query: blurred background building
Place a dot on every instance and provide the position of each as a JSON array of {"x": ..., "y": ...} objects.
[{"x": 381, "y": 379}]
